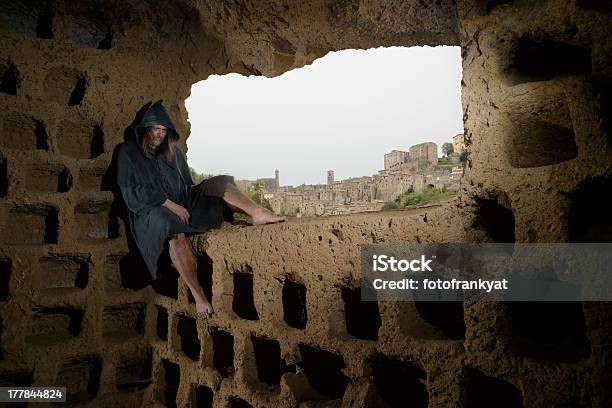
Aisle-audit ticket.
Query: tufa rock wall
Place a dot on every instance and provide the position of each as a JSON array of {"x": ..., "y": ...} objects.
[{"x": 288, "y": 324}]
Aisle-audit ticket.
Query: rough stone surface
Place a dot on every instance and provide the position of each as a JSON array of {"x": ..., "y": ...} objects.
[{"x": 536, "y": 94}]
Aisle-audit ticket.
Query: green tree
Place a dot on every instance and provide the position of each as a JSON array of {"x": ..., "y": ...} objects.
[
  {"x": 256, "y": 197},
  {"x": 198, "y": 177},
  {"x": 266, "y": 204},
  {"x": 391, "y": 205},
  {"x": 447, "y": 149}
]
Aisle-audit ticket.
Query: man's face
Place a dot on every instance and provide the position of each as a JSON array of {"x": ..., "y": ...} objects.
[{"x": 158, "y": 133}]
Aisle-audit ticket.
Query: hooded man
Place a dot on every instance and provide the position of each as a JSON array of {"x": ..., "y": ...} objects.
[{"x": 164, "y": 205}]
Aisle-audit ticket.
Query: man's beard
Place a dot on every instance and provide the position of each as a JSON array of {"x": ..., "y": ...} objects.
[{"x": 153, "y": 146}]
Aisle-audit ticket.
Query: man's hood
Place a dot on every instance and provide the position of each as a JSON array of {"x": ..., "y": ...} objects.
[{"x": 156, "y": 115}]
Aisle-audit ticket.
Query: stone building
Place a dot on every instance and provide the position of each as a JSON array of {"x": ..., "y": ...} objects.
[
  {"x": 286, "y": 203},
  {"x": 292, "y": 203},
  {"x": 419, "y": 183},
  {"x": 330, "y": 177},
  {"x": 425, "y": 152},
  {"x": 390, "y": 184},
  {"x": 456, "y": 173},
  {"x": 276, "y": 202},
  {"x": 395, "y": 158},
  {"x": 311, "y": 208},
  {"x": 276, "y": 179},
  {"x": 459, "y": 143},
  {"x": 270, "y": 184},
  {"x": 309, "y": 192},
  {"x": 410, "y": 167},
  {"x": 386, "y": 185},
  {"x": 356, "y": 188},
  {"x": 320, "y": 208}
]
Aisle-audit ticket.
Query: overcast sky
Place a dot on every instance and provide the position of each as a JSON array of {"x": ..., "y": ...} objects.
[{"x": 343, "y": 113}]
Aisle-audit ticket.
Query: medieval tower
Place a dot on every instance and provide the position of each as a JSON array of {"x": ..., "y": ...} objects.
[{"x": 330, "y": 177}]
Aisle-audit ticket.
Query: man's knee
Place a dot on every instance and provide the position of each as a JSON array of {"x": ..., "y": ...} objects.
[{"x": 179, "y": 238}]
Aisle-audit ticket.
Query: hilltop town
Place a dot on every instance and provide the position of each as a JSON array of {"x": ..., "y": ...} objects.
[{"x": 415, "y": 170}]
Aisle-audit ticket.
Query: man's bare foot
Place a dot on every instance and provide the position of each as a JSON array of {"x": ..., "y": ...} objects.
[
  {"x": 264, "y": 216},
  {"x": 204, "y": 308}
]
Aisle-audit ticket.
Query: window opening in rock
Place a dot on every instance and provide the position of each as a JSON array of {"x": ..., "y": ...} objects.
[
  {"x": 167, "y": 284},
  {"x": 482, "y": 391},
  {"x": 33, "y": 224},
  {"x": 48, "y": 178},
  {"x": 3, "y": 176},
  {"x": 294, "y": 304},
  {"x": 235, "y": 402},
  {"x": 83, "y": 374},
  {"x": 10, "y": 80},
  {"x": 133, "y": 371},
  {"x": 42, "y": 139},
  {"x": 60, "y": 272},
  {"x": 223, "y": 351},
  {"x": 488, "y": 5},
  {"x": 107, "y": 41},
  {"x": 188, "y": 333},
  {"x": 123, "y": 322},
  {"x": 445, "y": 316},
  {"x": 161, "y": 327},
  {"x": 169, "y": 383},
  {"x": 270, "y": 365},
  {"x": 362, "y": 318},
  {"x": 78, "y": 93},
  {"x": 590, "y": 217},
  {"x": 202, "y": 396},
  {"x": 540, "y": 59},
  {"x": 549, "y": 331},
  {"x": 97, "y": 142},
  {"x": 496, "y": 217},
  {"x": 597, "y": 5},
  {"x": 6, "y": 268},
  {"x": 50, "y": 325},
  {"x": 243, "y": 303},
  {"x": 399, "y": 383},
  {"x": 93, "y": 220},
  {"x": 323, "y": 370},
  {"x": 204, "y": 275},
  {"x": 18, "y": 378},
  {"x": 44, "y": 24},
  {"x": 357, "y": 130}
]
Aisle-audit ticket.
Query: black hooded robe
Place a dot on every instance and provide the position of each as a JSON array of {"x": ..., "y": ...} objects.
[{"x": 146, "y": 183}]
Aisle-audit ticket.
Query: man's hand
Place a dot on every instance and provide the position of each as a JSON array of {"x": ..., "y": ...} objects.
[{"x": 179, "y": 210}]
